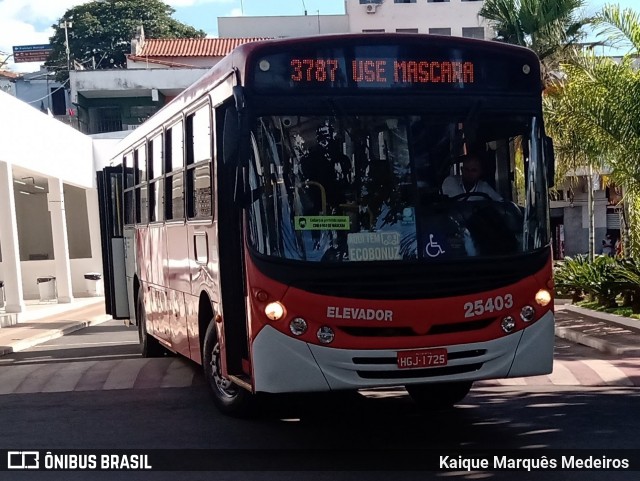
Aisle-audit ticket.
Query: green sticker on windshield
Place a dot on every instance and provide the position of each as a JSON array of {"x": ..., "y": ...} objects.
[{"x": 322, "y": 222}]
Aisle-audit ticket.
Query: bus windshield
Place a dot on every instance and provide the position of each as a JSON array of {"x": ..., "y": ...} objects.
[{"x": 395, "y": 188}]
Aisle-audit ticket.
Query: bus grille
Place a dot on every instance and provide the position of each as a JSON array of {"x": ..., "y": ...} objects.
[
  {"x": 457, "y": 327},
  {"x": 392, "y": 360},
  {"x": 416, "y": 373}
]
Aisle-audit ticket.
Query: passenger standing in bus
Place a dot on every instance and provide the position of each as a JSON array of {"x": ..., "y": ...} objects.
[{"x": 470, "y": 181}]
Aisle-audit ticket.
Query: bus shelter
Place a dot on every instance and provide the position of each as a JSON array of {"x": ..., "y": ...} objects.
[{"x": 49, "y": 226}]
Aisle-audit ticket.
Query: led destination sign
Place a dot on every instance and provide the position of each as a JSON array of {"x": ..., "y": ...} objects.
[
  {"x": 383, "y": 71},
  {"x": 424, "y": 65}
]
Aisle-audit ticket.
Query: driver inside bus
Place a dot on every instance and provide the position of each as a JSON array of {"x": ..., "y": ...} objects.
[{"x": 470, "y": 181}]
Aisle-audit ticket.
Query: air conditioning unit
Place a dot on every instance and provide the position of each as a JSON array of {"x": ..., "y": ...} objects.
[{"x": 371, "y": 7}]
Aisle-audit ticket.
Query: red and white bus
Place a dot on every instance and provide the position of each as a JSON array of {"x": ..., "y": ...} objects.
[{"x": 283, "y": 222}]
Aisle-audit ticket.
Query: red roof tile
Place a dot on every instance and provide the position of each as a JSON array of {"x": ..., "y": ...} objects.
[
  {"x": 191, "y": 47},
  {"x": 9, "y": 74}
]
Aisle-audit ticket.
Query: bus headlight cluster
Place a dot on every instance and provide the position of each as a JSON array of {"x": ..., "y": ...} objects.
[
  {"x": 298, "y": 326},
  {"x": 527, "y": 313},
  {"x": 508, "y": 324},
  {"x": 325, "y": 335}
]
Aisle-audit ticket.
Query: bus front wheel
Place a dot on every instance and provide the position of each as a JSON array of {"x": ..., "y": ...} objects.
[
  {"x": 228, "y": 397},
  {"x": 439, "y": 396},
  {"x": 149, "y": 345}
]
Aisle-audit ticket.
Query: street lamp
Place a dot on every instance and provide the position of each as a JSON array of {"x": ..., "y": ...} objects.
[{"x": 67, "y": 24}]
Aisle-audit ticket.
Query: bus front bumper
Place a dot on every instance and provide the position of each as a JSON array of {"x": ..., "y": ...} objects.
[{"x": 284, "y": 364}]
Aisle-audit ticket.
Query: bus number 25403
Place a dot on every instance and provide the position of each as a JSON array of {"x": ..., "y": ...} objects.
[{"x": 479, "y": 307}]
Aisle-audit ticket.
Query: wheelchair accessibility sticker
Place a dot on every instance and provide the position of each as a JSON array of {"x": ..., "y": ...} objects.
[{"x": 433, "y": 248}]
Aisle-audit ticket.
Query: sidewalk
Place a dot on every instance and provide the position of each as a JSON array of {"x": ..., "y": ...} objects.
[
  {"x": 44, "y": 321},
  {"x": 605, "y": 332},
  {"x": 41, "y": 322}
]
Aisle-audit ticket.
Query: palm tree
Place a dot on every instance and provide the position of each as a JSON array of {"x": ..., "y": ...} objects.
[
  {"x": 596, "y": 114},
  {"x": 551, "y": 28}
]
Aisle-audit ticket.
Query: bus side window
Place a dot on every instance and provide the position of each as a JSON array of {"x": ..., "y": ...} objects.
[
  {"x": 129, "y": 181},
  {"x": 174, "y": 166},
  {"x": 156, "y": 180},
  {"x": 198, "y": 146},
  {"x": 142, "y": 197}
]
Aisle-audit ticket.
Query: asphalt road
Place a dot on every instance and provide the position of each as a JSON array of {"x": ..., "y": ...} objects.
[{"x": 169, "y": 415}]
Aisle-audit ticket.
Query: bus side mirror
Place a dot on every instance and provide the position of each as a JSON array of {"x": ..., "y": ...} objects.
[
  {"x": 230, "y": 136},
  {"x": 234, "y": 153},
  {"x": 549, "y": 159}
]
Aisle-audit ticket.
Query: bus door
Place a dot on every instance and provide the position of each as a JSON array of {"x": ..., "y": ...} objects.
[
  {"x": 111, "y": 208},
  {"x": 231, "y": 251}
]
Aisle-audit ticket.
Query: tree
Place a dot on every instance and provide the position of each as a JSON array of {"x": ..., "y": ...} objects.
[
  {"x": 101, "y": 32},
  {"x": 595, "y": 113},
  {"x": 551, "y": 28}
]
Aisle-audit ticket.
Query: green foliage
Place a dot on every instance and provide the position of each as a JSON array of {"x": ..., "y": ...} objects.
[
  {"x": 548, "y": 27},
  {"x": 102, "y": 31},
  {"x": 570, "y": 276},
  {"x": 602, "y": 281},
  {"x": 593, "y": 114}
]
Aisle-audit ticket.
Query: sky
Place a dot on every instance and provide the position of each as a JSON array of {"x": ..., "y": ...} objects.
[{"x": 28, "y": 22}]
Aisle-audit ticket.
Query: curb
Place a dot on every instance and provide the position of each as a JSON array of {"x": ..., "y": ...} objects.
[
  {"x": 22, "y": 344},
  {"x": 596, "y": 342}
]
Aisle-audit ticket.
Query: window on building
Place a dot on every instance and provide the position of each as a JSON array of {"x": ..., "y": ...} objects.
[
  {"x": 406, "y": 30},
  {"x": 140, "y": 113},
  {"x": 437, "y": 1},
  {"x": 473, "y": 32},
  {"x": 58, "y": 101},
  {"x": 105, "y": 119},
  {"x": 373, "y": 30},
  {"x": 440, "y": 31},
  {"x": 404, "y": 1},
  {"x": 364, "y": 2}
]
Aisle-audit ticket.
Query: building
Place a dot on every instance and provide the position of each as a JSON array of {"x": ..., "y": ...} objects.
[
  {"x": 111, "y": 100},
  {"x": 439, "y": 17},
  {"x": 454, "y": 17},
  {"x": 8, "y": 82},
  {"x": 570, "y": 212},
  {"x": 49, "y": 225}
]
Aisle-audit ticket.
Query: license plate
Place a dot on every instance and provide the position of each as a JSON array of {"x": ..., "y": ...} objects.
[{"x": 422, "y": 358}]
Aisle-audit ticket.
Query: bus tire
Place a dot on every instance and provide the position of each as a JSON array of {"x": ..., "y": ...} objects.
[
  {"x": 439, "y": 396},
  {"x": 228, "y": 397},
  {"x": 149, "y": 345}
]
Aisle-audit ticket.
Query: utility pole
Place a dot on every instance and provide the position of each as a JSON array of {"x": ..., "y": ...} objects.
[{"x": 67, "y": 25}]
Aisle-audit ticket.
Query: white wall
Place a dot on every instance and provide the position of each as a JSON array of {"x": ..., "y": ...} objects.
[
  {"x": 422, "y": 15},
  {"x": 132, "y": 83},
  {"x": 282, "y": 26},
  {"x": 42, "y": 144}
]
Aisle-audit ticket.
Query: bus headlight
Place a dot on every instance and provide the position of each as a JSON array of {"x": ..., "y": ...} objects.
[
  {"x": 508, "y": 324},
  {"x": 274, "y": 311},
  {"x": 298, "y": 326},
  {"x": 527, "y": 313},
  {"x": 543, "y": 297},
  {"x": 325, "y": 335}
]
